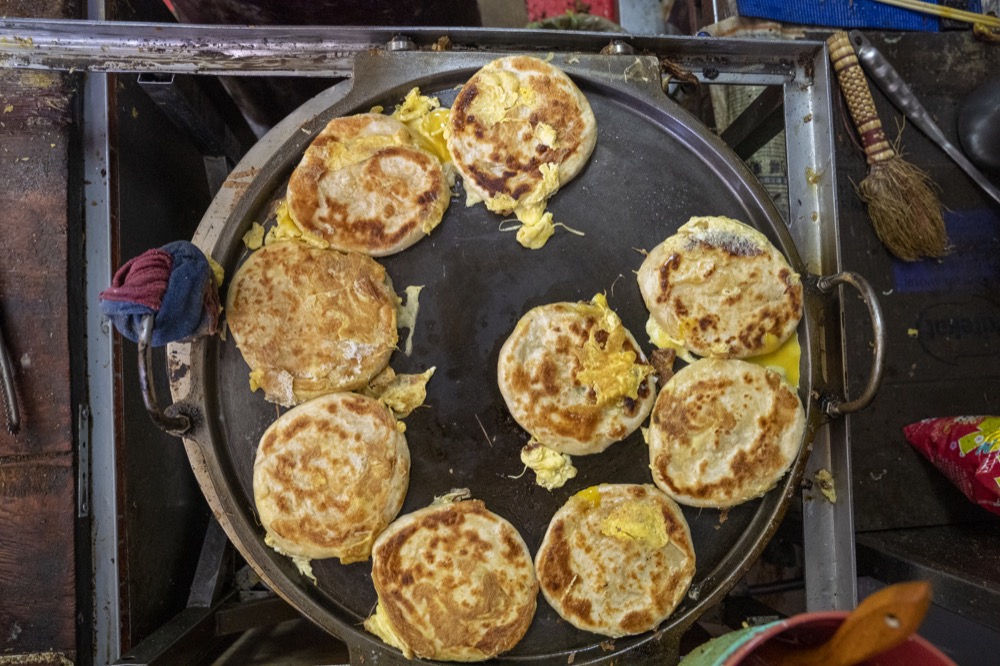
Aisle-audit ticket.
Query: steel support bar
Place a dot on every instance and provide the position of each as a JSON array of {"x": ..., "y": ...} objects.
[
  {"x": 830, "y": 569},
  {"x": 760, "y": 122},
  {"x": 188, "y": 638},
  {"x": 244, "y": 615},
  {"x": 215, "y": 561},
  {"x": 238, "y": 50}
]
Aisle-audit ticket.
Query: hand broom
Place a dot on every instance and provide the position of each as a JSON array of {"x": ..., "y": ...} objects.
[{"x": 901, "y": 199}]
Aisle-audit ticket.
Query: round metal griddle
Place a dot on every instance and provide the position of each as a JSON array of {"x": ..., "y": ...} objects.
[{"x": 654, "y": 167}]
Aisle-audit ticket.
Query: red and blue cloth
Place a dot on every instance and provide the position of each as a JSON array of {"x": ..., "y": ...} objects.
[{"x": 175, "y": 283}]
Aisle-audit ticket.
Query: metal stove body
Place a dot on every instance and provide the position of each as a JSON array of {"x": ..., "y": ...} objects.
[{"x": 133, "y": 488}]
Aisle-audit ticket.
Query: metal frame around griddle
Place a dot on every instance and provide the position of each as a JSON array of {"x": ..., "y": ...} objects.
[{"x": 799, "y": 68}]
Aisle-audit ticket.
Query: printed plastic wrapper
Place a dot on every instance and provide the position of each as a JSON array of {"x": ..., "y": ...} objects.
[{"x": 967, "y": 450}]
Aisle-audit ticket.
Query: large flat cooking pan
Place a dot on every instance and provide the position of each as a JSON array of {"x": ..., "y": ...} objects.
[{"x": 654, "y": 167}]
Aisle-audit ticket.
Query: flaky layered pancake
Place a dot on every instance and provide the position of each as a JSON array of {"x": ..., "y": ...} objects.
[
  {"x": 519, "y": 129},
  {"x": 719, "y": 288},
  {"x": 455, "y": 582},
  {"x": 616, "y": 559},
  {"x": 723, "y": 432},
  {"x": 310, "y": 321},
  {"x": 574, "y": 377},
  {"x": 329, "y": 476},
  {"x": 366, "y": 185}
]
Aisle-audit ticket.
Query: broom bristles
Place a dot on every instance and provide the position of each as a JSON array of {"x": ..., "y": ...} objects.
[{"x": 904, "y": 209}]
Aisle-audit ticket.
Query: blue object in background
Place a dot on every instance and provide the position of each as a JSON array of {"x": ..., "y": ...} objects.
[
  {"x": 844, "y": 14},
  {"x": 974, "y": 264}
]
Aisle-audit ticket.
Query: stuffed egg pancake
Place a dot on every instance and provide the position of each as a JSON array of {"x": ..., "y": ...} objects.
[
  {"x": 329, "y": 476},
  {"x": 573, "y": 376},
  {"x": 311, "y": 321}
]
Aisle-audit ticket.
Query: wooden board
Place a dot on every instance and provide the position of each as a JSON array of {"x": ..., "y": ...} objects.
[
  {"x": 37, "y": 595},
  {"x": 38, "y": 612}
]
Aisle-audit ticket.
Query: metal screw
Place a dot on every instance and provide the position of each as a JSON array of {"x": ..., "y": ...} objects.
[
  {"x": 619, "y": 48},
  {"x": 401, "y": 43},
  {"x": 710, "y": 73}
]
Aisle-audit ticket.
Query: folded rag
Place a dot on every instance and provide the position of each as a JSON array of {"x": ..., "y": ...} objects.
[{"x": 175, "y": 283}]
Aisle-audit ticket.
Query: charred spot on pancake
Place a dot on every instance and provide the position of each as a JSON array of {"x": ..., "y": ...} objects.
[
  {"x": 636, "y": 621},
  {"x": 737, "y": 245},
  {"x": 663, "y": 364},
  {"x": 356, "y": 405},
  {"x": 549, "y": 376},
  {"x": 268, "y": 441},
  {"x": 670, "y": 265},
  {"x": 460, "y": 109},
  {"x": 578, "y": 608},
  {"x": 427, "y": 197},
  {"x": 521, "y": 189},
  {"x": 490, "y": 183},
  {"x": 444, "y": 519},
  {"x": 374, "y": 230}
]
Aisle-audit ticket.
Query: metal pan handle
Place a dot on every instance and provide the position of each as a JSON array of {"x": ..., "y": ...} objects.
[
  {"x": 834, "y": 406},
  {"x": 174, "y": 423}
]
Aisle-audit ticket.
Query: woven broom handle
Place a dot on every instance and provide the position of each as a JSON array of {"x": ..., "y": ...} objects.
[{"x": 859, "y": 98}]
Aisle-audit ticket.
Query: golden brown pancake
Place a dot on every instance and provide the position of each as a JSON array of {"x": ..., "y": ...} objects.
[
  {"x": 514, "y": 120},
  {"x": 723, "y": 432},
  {"x": 311, "y": 321},
  {"x": 329, "y": 476},
  {"x": 574, "y": 377},
  {"x": 719, "y": 288},
  {"x": 455, "y": 582},
  {"x": 366, "y": 185},
  {"x": 616, "y": 559}
]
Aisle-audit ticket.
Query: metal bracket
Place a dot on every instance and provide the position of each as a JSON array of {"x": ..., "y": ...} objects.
[
  {"x": 176, "y": 424},
  {"x": 83, "y": 462}
]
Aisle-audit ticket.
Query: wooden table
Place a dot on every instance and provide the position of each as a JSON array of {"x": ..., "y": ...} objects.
[{"x": 41, "y": 234}]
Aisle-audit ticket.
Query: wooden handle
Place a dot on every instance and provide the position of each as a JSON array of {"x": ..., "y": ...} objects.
[
  {"x": 881, "y": 622},
  {"x": 859, "y": 98}
]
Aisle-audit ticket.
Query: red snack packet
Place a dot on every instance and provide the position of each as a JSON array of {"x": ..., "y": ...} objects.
[{"x": 967, "y": 450}]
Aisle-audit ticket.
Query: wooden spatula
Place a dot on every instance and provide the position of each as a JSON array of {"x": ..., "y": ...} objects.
[{"x": 881, "y": 622}]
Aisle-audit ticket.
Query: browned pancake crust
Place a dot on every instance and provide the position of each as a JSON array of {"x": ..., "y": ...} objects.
[
  {"x": 313, "y": 321},
  {"x": 537, "y": 373},
  {"x": 610, "y": 586},
  {"x": 745, "y": 418},
  {"x": 403, "y": 187},
  {"x": 500, "y": 165},
  {"x": 721, "y": 294},
  {"x": 504, "y": 597},
  {"x": 313, "y": 496}
]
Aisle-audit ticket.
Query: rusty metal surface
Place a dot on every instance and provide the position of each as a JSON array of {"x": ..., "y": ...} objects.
[{"x": 328, "y": 51}]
